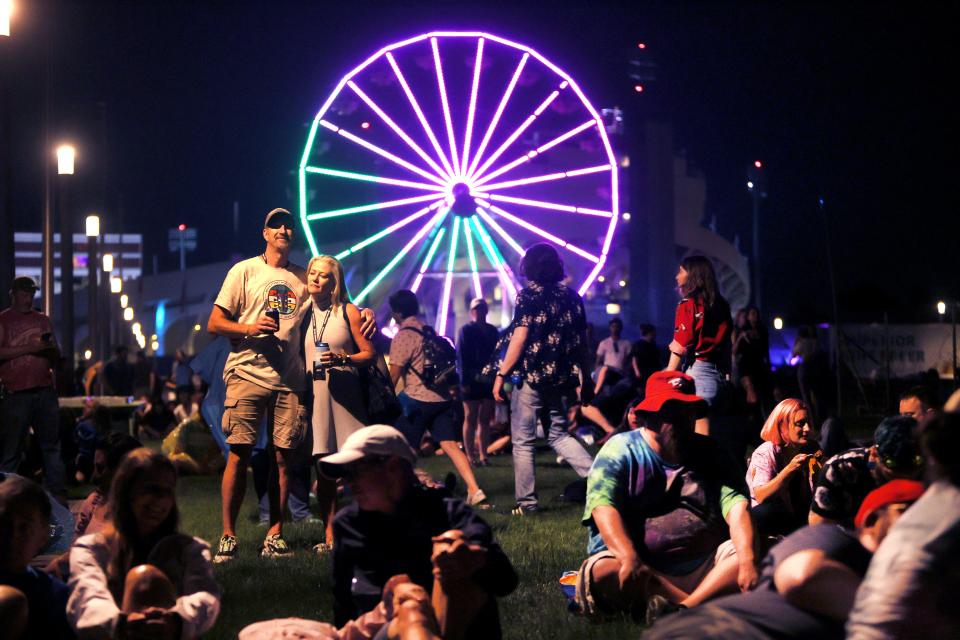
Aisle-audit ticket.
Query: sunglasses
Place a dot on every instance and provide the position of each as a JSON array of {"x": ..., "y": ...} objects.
[{"x": 280, "y": 221}]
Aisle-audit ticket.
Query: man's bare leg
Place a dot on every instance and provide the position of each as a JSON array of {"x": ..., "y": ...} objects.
[
  {"x": 278, "y": 487},
  {"x": 234, "y": 486}
]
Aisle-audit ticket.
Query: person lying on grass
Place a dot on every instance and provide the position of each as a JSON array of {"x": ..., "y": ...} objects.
[
  {"x": 139, "y": 577},
  {"x": 808, "y": 581},
  {"x": 30, "y": 599},
  {"x": 667, "y": 511},
  {"x": 396, "y": 526}
]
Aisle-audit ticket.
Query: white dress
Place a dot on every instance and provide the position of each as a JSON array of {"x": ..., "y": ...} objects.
[{"x": 337, "y": 409}]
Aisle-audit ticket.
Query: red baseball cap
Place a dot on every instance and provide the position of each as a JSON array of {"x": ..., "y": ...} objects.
[
  {"x": 890, "y": 493},
  {"x": 664, "y": 386}
]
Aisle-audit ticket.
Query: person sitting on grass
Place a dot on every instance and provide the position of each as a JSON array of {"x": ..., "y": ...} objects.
[
  {"x": 392, "y": 527},
  {"x": 783, "y": 470},
  {"x": 807, "y": 583},
  {"x": 24, "y": 528},
  {"x": 107, "y": 456},
  {"x": 848, "y": 477},
  {"x": 666, "y": 510},
  {"x": 139, "y": 576}
]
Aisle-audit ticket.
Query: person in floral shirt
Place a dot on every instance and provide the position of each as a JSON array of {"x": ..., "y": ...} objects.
[{"x": 548, "y": 351}]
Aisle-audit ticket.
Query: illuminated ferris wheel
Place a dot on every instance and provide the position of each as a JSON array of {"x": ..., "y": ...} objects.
[{"x": 442, "y": 157}]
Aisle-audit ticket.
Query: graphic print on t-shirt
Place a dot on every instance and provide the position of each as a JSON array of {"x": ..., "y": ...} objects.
[{"x": 280, "y": 296}]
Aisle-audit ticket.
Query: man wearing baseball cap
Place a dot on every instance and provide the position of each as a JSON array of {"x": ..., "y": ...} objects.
[
  {"x": 667, "y": 510},
  {"x": 392, "y": 527},
  {"x": 808, "y": 581},
  {"x": 259, "y": 309},
  {"x": 28, "y": 350}
]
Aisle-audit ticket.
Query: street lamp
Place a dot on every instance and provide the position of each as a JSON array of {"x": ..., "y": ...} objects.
[
  {"x": 942, "y": 309},
  {"x": 66, "y": 155},
  {"x": 778, "y": 323},
  {"x": 116, "y": 284},
  {"x": 6, "y": 10},
  {"x": 93, "y": 234},
  {"x": 128, "y": 314},
  {"x": 108, "y": 263},
  {"x": 124, "y": 299}
]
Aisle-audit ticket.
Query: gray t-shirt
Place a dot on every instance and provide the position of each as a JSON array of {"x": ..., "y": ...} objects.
[{"x": 269, "y": 360}]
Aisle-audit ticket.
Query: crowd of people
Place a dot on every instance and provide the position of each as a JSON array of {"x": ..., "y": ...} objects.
[{"x": 684, "y": 531}]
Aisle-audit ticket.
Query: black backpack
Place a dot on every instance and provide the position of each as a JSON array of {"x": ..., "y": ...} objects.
[{"x": 439, "y": 361}]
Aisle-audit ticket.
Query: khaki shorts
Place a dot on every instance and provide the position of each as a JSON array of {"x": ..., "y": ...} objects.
[
  {"x": 247, "y": 403},
  {"x": 591, "y": 606}
]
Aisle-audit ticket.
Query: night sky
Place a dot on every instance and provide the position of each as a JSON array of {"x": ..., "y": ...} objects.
[{"x": 178, "y": 110}]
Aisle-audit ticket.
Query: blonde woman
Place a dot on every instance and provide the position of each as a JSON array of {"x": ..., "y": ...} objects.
[
  {"x": 783, "y": 469},
  {"x": 333, "y": 348}
]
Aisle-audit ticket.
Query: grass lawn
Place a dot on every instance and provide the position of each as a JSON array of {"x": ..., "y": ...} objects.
[{"x": 541, "y": 548}]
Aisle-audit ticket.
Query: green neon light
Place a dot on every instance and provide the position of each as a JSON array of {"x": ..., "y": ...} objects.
[
  {"x": 490, "y": 248},
  {"x": 366, "y": 177},
  {"x": 472, "y": 254},
  {"x": 433, "y": 250},
  {"x": 376, "y": 206},
  {"x": 303, "y": 188},
  {"x": 397, "y": 258},
  {"x": 394, "y": 227},
  {"x": 454, "y": 237}
]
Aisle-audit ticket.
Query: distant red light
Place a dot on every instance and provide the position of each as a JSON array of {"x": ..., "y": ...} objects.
[
  {"x": 364, "y": 125},
  {"x": 182, "y": 227},
  {"x": 758, "y": 164},
  {"x": 638, "y": 88},
  {"x": 641, "y": 46}
]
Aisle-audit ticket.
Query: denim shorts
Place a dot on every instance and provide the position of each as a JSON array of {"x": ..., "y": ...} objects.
[{"x": 708, "y": 380}]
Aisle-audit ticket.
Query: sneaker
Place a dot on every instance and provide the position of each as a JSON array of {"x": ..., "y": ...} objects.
[
  {"x": 275, "y": 547},
  {"x": 520, "y": 510},
  {"x": 658, "y": 607},
  {"x": 226, "y": 550},
  {"x": 476, "y": 498}
]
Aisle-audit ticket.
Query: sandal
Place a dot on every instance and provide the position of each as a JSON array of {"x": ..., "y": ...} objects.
[{"x": 323, "y": 548}]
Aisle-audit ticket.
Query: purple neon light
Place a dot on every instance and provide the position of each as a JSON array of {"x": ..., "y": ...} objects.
[
  {"x": 462, "y": 170},
  {"x": 552, "y": 205},
  {"x": 352, "y": 175},
  {"x": 516, "y": 133},
  {"x": 593, "y": 274},
  {"x": 503, "y": 234},
  {"x": 498, "y": 113},
  {"x": 381, "y": 152},
  {"x": 471, "y": 111},
  {"x": 400, "y": 132},
  {"x": 446, "y": 105},
  {"x": 477, "y": 290},
  {"x": 547, "y": 177},
  {"x": 532, "y": 154},
  {"x": 412, "y": 99},
  {"x": 541, "y": 232}
]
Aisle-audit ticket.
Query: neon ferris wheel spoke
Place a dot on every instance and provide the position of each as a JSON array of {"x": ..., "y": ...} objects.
[
  {"x": 448, "y": 279},
  {"x": 568, "y": 208},
  {"x": 376, "y": 206},
  {"x": 385, "y": 232},
  {"x": 403, "y": 252},
  {"x": 472, "y": 255},
  {"x": 547, "y": 177},
  {"x": 517, "y": 133},
  {"x": 426, "y": 261},
  {"x": 412, "y": 99},
  {"x": 532, "y": 154},
  {"x": 497, "y": 114},
  {"x": 396, "y": 129},
  {"x": 471, "y": 111},
  {"x": 446, "y": 106},
  {"x": 542, "y": 233},
  {"x": 493, "y": 255},
  {"x": 365, "y": 177},
  {"x": 503, "y": 234},
  {"x": 381, "y": 152}
]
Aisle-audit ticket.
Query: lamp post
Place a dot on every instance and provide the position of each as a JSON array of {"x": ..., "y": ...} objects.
[
  {"x": 757, "y": 186},
  {"x": 942, "y": 311},
  {"x": 106, "y": 328},
  {"x": 6, "y": 164},
  {"x": 93, "y": 233},
  {"x": 65, "y": 166}
]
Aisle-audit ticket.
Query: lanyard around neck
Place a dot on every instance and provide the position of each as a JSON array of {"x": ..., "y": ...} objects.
[{"x": 313, "y": 324}]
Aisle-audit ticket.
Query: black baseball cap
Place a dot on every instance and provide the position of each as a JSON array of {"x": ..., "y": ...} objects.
[{"x": 24, "y": 283}]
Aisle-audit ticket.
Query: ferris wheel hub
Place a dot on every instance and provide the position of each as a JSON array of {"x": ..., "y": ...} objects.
[{"x": 463, "y": 203}]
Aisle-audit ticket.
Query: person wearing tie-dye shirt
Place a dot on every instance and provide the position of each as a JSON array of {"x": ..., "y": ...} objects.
[{"x": 667, "y": 511}]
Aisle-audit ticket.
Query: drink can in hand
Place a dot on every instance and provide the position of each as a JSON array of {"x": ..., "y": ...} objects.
[{"x": 274, "y": 314}]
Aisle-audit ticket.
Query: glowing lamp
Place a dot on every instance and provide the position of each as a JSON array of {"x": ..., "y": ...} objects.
[
  {"x": 613, "y": 309},
  {"x": 137, "y": 328},
  {"x": 124, "y": 299},
  {"x": 155, "y": 345},
  {"x": 942, "y": 307},
  {"x": 6, "y": 9},
  {"x": 196, "y": 327},
  {"x": 116, "y": 285},
  {"x": 128, "y": 314},
  {"x": 750, "y": 184},
  {"x": 87, "y": 354},
  {"x": 364, "y": 125},
  {"x": 778, "y": 323},
  {"x": 638, "y": 88},
  {"x": 623, "y": 283},
  {"x": 641, "y": 45},
  {"x": 181, "y": 227},
  {"x": 65, "y": 157},
  {"x": 108, "y": 262},
  {"x": 758, "y": 164},
  {"x": 601, "y": 279},
  {"x": 93, "y": 222}
]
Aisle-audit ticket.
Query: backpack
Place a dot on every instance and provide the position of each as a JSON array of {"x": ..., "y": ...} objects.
[{"x": 439, "y": 361}]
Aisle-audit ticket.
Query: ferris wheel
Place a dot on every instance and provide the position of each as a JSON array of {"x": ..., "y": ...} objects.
[{"x": 441, "y": 157}]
